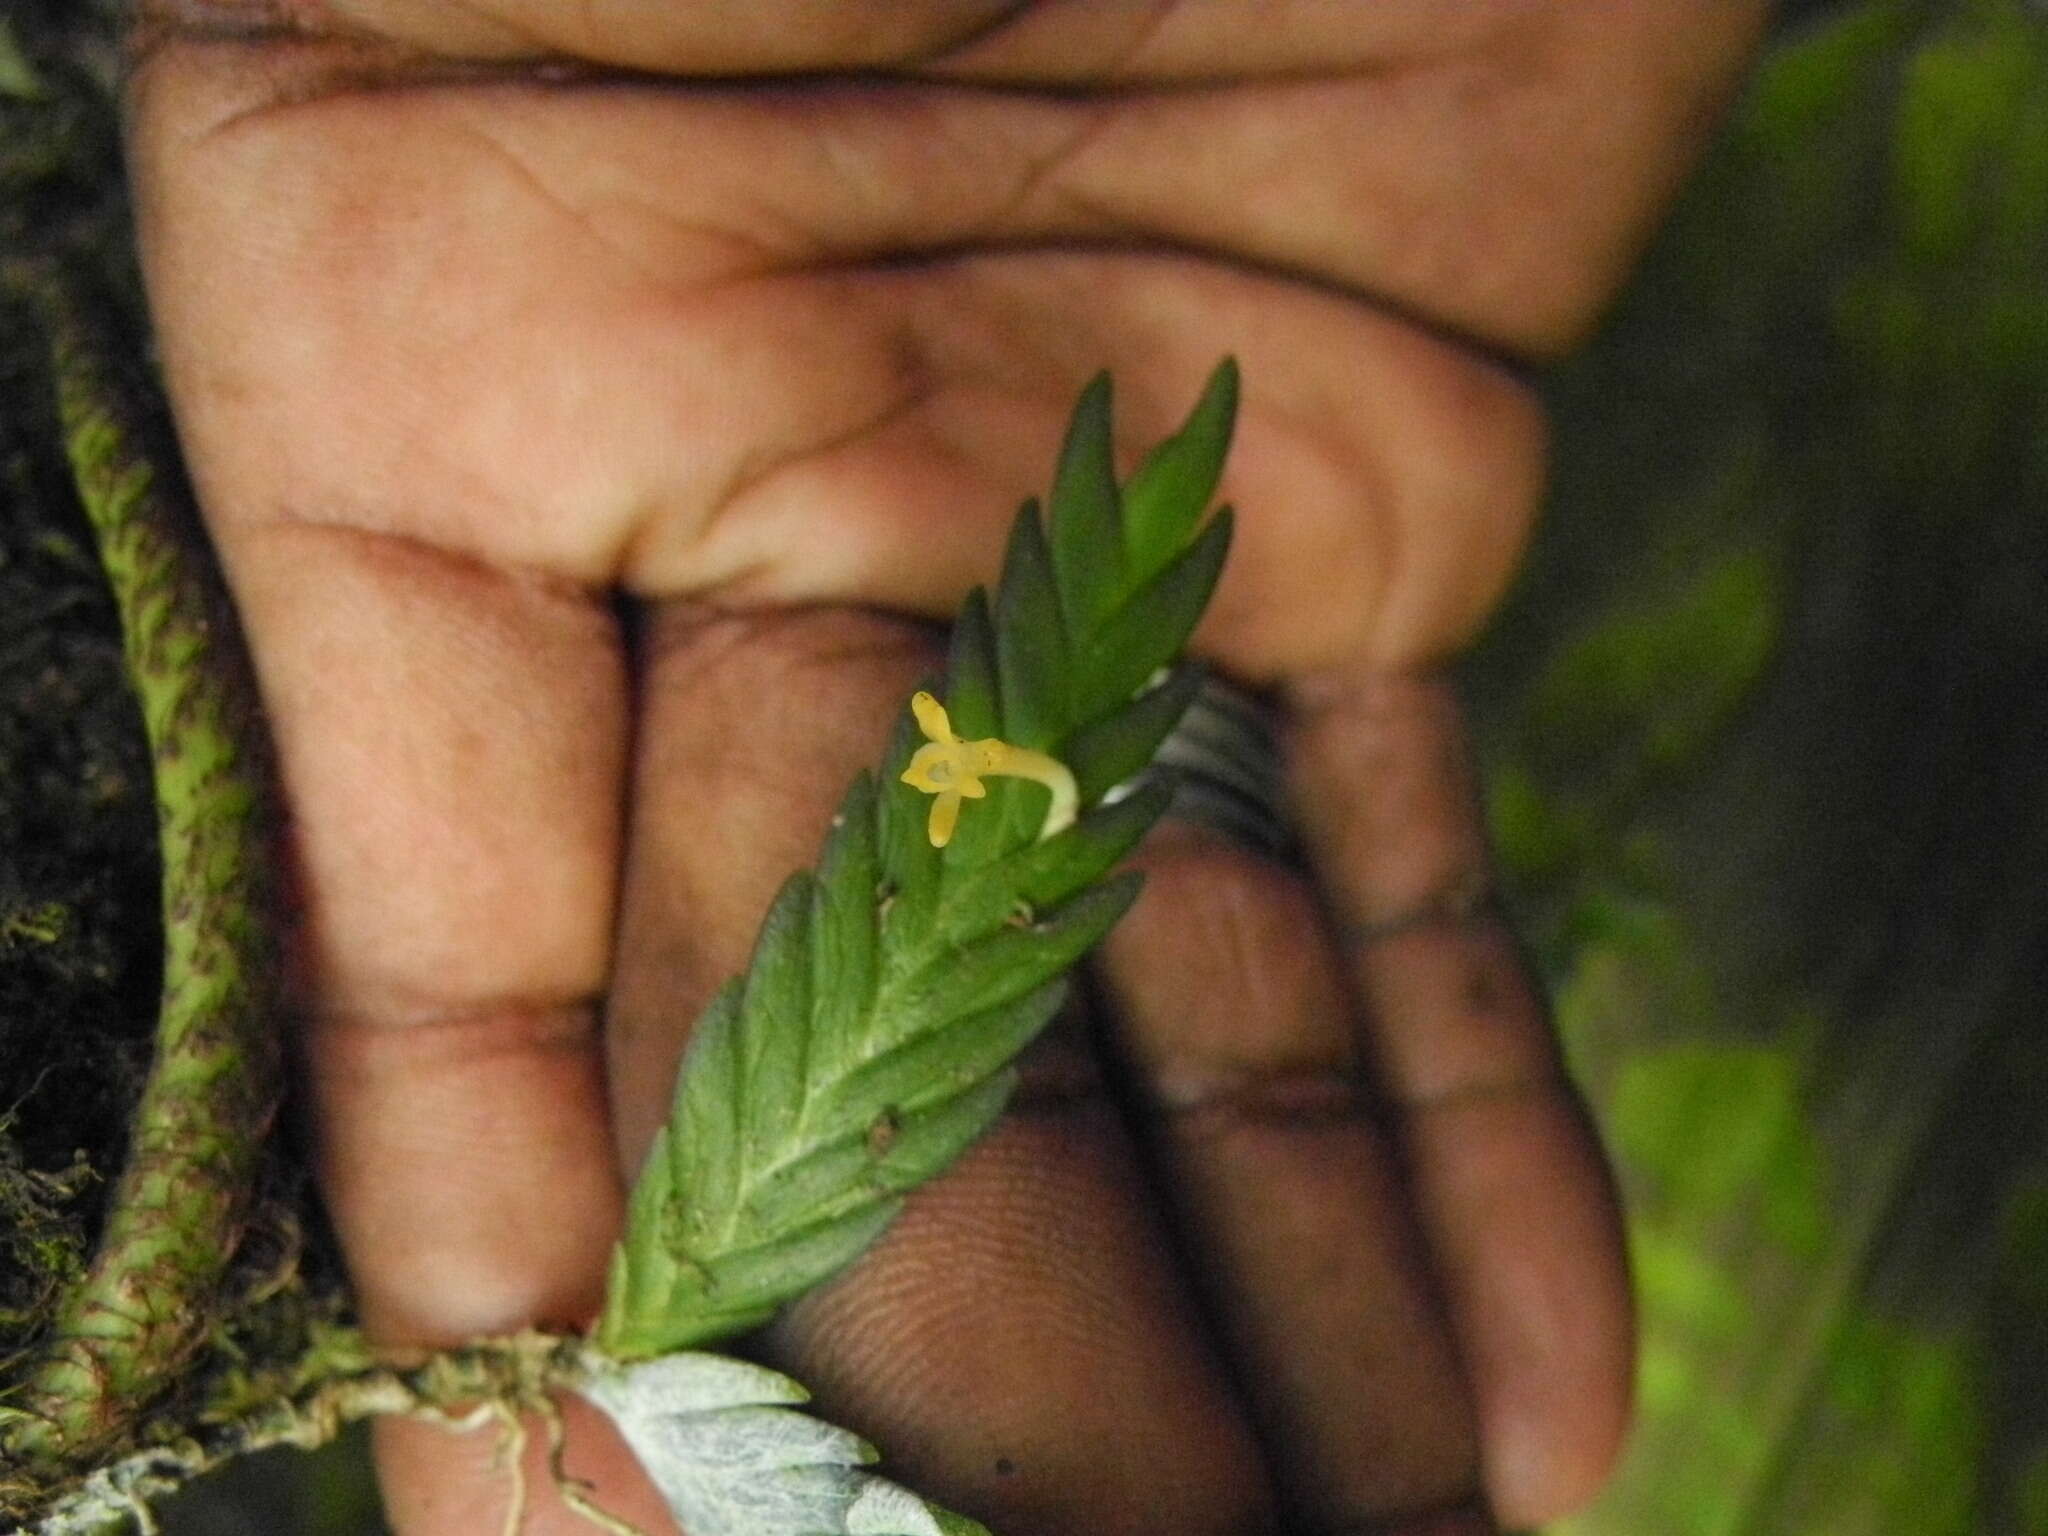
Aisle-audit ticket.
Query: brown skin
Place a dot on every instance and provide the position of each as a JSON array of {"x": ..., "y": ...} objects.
[{"x": 466, "y": 346}]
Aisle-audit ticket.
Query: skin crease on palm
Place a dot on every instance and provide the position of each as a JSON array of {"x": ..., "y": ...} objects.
[{"x": 596, "y": 405}]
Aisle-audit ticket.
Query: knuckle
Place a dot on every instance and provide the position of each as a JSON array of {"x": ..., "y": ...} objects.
[{"x": 1228, "y": 992}]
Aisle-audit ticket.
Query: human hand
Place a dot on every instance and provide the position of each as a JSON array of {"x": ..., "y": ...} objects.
[{"x": 762, "y": 316}]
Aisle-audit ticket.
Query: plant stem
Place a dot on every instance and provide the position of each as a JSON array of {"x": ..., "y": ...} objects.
[
  {"x": 151, "y": 1296},
  {"x": 486, "y": 1381}
]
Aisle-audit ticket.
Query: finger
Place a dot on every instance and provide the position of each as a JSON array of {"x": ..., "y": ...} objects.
[
  {"x": 449, "y": 741},
  {"x": 629, "y": 410},
  {"x": 450, "y": 737},
  {"x": 1509, "y": 1182},
  {"x": 1493, "y": 168},
  {"x": 716, "y": 37},
  {"x": 1034, "y": 1263},
  {"x": 1235, "y": 1022},
  {"x": 1036, "y": 40},
  {"x": 1402, "y": 521}
]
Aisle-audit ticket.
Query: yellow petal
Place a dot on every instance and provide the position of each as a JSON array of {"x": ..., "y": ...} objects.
[
  {"x": 945, "y": 816},
  {"x": 931, "y": 717}
]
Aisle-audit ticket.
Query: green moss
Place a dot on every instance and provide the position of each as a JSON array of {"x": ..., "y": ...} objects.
[
  {"x": 41, "y": 1240},
  {"x": 1697, "y": 1299},
  {"x": 1822, "y": 82},
  {"x": 1781, "y": 911},
  {"x": 34, "y": 922},
  {"x": 1631, "y": 966}
]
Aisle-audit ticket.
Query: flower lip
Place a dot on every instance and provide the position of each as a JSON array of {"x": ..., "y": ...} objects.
[{"x": 953, "y": 769}]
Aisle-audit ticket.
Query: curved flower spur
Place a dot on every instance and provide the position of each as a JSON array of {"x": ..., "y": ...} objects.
[{"x": 871, "y": 1039}]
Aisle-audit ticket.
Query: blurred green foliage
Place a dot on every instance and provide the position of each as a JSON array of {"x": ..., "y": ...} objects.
[{"x": 1767, "y": 733}]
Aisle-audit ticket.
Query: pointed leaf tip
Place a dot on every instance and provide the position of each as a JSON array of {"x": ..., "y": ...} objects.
[
  {"x": 1087, "y": 523},
  {"x": 1165, "y": 498}
]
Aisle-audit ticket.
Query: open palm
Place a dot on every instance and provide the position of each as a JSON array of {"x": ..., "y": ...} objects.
[{"x": 594, "y": 406}]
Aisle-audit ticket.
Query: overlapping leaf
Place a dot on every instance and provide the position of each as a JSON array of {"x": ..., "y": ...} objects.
[
  {"x": 870, "y": 1041},
  {"x": 724, "y": 1442}
]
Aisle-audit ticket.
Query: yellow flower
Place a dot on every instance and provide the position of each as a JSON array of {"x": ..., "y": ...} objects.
[{"x": 953, "y": 769}]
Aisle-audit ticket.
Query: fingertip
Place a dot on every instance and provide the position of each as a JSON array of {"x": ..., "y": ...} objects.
[
  {"x": 1549, "y": 1327},
  {"x": 1537, "y": 1476},
  {"x": 1544, "y": 1460}
]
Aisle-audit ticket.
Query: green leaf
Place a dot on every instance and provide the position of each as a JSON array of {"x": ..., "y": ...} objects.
[
  {"x": 911, "y": 867},
  {"x": 1087, "y": 526},
  {"x": 1032, "y": 654},
  {"x": 775, "y": 1006},
  {"x": 1012, "y": 960},
  {"x": 708, "y": 1115},
  {"x": 1165, "y": 499},
  {"x": 1043, "y": 874},
  {"x": 1148, "y": 631},
  {"x": 911, "y": 1074},
  {"x": 896, "y": 1151},
  {"x": 974, "y": 701},
  {"x": 642, "y": 1269},
  {"x": 871, "y": 1040},
  {"x": 973, "y": 698},
  {"x": 1116, "y": 748},
  {"x": 723, "y": 1442},
  {"x": 843, "y": 938},
  {"x": 752, "y": 1281}
]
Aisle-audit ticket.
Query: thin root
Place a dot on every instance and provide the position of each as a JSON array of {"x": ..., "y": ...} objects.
[
  {"x": 573, "y": 1489},
  {"x": 512, "y": 1451},
  {"x": 145, "y": 1518}
]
